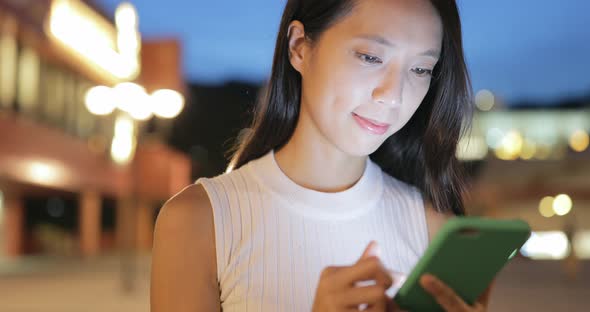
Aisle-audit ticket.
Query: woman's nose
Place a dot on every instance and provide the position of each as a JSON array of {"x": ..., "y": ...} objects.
[{"x": 389, "y": 91}]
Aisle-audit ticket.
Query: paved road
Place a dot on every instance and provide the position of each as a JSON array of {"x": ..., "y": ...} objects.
[{"x": 74, "y": 286}]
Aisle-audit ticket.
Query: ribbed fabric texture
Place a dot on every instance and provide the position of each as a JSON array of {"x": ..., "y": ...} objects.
[{"x": 274, "y": 237}]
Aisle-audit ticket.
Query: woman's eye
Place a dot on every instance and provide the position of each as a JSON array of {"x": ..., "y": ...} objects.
[
  {"x": 422, "y": 72},
  {"x": 369, "y": 59}
]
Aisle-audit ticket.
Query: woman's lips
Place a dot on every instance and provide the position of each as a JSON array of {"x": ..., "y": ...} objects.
[{"x": 370, "y": 125}]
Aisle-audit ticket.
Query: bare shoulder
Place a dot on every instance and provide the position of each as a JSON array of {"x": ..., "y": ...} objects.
[
  {"x": 434, "y": 219},
  {"x": 183, "y": 256},
  {"x": 188, "y": 207}
]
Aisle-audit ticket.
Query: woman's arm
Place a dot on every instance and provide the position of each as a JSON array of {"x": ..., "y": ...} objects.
[{"x": 184, "y": 269}]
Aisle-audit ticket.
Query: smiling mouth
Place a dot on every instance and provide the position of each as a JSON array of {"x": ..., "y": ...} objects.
[
  {"x": 371, "y": 125},
  {"x": 375, "y": 122}
]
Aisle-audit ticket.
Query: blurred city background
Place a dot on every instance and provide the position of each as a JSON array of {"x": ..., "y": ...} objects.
[{"x": 108, "y": 108}]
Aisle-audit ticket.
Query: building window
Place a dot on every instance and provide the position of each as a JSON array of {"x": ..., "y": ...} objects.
[
  {"x": 28, "y": 81},
  {"x": 8, "y": 62}
]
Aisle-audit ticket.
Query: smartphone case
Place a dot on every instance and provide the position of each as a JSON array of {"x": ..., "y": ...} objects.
[{"x": 466, "y": 254}]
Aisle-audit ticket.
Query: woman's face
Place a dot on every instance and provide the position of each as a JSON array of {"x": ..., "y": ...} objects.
[{"x": 366, "y": 75}]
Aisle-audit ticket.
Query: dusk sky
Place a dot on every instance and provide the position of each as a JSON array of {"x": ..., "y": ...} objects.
[{"x": 537, "y": 50}]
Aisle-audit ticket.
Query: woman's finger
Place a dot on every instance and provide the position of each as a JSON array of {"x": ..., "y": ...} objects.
[
  {"x": 443, "y": 294},
  {"x": 371, "y": 295},
  {"x": 364, "y": 270}
]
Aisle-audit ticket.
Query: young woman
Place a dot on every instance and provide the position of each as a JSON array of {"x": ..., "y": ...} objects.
[{"x": 352, "y": 149}]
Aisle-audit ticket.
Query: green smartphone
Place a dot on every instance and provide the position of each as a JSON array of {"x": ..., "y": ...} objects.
[{"x": 466, "y": 254}]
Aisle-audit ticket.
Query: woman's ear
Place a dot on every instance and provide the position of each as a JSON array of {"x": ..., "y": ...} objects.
[{"x": 297, "y": 45}]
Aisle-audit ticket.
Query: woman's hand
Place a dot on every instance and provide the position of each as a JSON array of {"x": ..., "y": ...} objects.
[
  {"x": 338, "y": 290},
  {"x": 448, "y": 299}
]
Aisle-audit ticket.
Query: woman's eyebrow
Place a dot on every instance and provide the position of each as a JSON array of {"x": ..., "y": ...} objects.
[
  {"x": 434, "y": 53},
  {"x": 376, "y": 38}
]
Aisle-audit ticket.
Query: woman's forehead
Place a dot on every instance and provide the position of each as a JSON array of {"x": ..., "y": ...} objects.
[{"x": 394, "y": 20}]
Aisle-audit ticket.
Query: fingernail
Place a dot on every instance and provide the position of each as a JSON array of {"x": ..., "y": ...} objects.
[
  {"x": 375, "y": 250},
  {"x": 428, "y": 280}
]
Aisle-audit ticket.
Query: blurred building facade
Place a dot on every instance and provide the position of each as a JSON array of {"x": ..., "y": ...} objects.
[
  {"x": 533, "y": 164},
  {"x": 76, "y": 178}
]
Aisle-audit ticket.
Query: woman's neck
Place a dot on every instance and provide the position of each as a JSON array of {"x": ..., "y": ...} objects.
[{"x": 309, "y": 160}]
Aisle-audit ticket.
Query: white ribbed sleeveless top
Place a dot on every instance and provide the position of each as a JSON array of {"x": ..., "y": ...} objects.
[{"x": 274, "y": 237}]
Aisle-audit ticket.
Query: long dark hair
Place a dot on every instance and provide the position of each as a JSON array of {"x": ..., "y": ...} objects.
[{"x": 422, "y": 153}]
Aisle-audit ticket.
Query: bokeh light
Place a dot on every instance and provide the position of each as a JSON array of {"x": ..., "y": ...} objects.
[
  {"x": 80, "y": 29},
  {"x": 484, "y": 100},
  {"x": 494, "y": 137},
  {"x": 124, "y": 141},
  {"x": 552, "y": 245},
  {"x": 579, "y": 140},
  {"x": 529, "y": 149},
  {"x": 510, "y": 146},
  {"x": 546, "y": 207},
  {"x": 166, "y": 103},
  {"x": 44, "y": 173},
  {"x": 133, "y": 99},
  {"x": 100, "y": 100},
  {"x": 126, "y": 16},
  {"x": 562, "y": 204},
  {"x": 581, "y": 244}
]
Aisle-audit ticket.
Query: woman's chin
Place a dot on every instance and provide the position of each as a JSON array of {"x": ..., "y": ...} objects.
[{"x": 360, "y": 148}]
